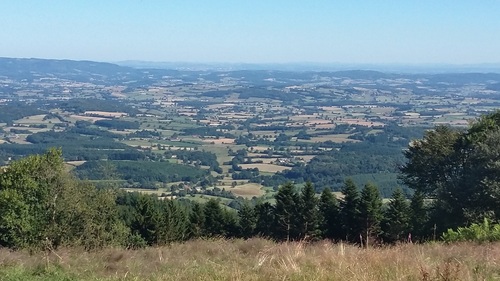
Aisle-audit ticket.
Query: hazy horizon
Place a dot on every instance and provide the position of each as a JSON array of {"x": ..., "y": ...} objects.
[{"x": 257, "y": 32}]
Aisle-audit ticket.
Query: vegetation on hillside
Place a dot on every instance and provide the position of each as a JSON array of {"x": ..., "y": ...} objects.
[{"x": 258, "y": 259}]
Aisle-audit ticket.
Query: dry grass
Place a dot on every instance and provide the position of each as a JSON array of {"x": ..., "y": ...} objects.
[
  {"x": 271, "y": 168},
  {"x": 86, "y": 118},
  {"x": 247, "y": 190},
  {"x": 259, "y": 259},
  {"x": 338, "y": 138},
  {"x": 219, "y": 141}
]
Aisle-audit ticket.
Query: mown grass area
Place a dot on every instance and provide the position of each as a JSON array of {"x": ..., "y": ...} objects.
[{"x": 259, "y": 259}]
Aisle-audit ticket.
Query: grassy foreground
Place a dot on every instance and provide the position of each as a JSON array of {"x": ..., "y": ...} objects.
[{"x": 259, "y": 259}]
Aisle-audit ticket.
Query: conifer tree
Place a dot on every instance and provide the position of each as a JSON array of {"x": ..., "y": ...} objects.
[
  {"x": 329, "y": 215},
  {"x": 308, "y": 212},
  {"x": 419, "y": 216},
  {"x": 247, "y": 220},
  {"x": 287, "y": 213},
  {"x": 175, "y": 222},
  {"x": 148, "y": 219},
  {"x": 264, "y": 213},
  {"x": 231, "y": 227},
  {"x": 370, "y": 212},
  {"x": 349, "y": 212},
  {"x": 196, "y": 221},
  {"x": 396, "y": 223},
  {"x": 214, "y": 219}
]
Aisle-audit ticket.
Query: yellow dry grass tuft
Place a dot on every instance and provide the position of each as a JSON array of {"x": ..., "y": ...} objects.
[{"x": 260, "y": 259}]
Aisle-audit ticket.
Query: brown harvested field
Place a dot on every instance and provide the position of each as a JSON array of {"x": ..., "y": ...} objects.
[
  {"x": 317, "y": 121},
  {"x": 247, "y": 190},
  {"x": 325, "y": 126},
  {"x": 265, "y": 167},
  {"x": 307, "y": 158},
  {"x": 259, "y": 259},
  {"x": 303, "y": 117}
]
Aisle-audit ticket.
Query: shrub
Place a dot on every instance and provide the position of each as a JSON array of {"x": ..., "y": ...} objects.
[{"x": 477, "y": 232}]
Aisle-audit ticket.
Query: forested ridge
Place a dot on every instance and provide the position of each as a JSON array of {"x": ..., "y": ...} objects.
[{"x": 454, "y": 175}]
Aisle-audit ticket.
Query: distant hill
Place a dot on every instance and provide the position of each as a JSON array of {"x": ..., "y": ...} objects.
[
  {"x": 109, "y": 73},
  {"x": 31, "y": 68}
]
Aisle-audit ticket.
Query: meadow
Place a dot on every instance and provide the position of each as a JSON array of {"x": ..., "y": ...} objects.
[{"x": 259, "y": 259}]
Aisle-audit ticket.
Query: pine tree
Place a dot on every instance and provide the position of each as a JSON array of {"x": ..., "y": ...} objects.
[
  {"x": 231, "y": 227},
  {"x": 329, "y": 215},
  {"x": 349, "y": 211},
  {"x": 286, "y": 213},
  {"x": 247, "y": 220},
  {"x": 196, "y": 221},
  {"x": 370, "y": 212},
  {"x": 308, "y": 212},
  {"x": 214, "y": 219},
  {"x": 419, "y": 216},
  {"x": 396, "y": 224},
  {"x": 175, "y": 222},
  {"x": 147, "y": 219},
  {"x": 264, "y": 213}
]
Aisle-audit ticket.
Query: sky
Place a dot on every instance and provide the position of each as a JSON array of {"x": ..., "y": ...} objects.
[{"x": 254, "y": 31}]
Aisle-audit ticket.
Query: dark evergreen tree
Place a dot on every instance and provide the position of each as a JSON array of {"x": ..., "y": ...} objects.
[
  {"x": 349, "y": 212},
  {"x": 264, "y": 213},
  {"x": 247, "y": 220},
  {"x": 148, "y": 218},
  {"x": 231, "y": 227},
  {"x": 370, "y": 208},
  {"x": 419, "y": 217},
  {"x": 175, "y": 222},
  {"x": 329, "y": 215},
  {"x": 396, "y": 223},
  {"x": 308, "y": 212},
  {"x": 287, "y": 217},
  {"x": 214, "y": 219},
  {"x": 196, "y": 221}
]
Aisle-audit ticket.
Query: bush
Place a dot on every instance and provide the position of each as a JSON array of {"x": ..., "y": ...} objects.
[{"x": 483, "y": 232}]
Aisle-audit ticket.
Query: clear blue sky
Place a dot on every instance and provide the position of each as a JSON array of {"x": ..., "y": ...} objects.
[{"x": 254, "y": 31}]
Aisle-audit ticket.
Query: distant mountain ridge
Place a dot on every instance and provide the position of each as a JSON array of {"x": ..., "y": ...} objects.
[{"x": 30, "y": 68}]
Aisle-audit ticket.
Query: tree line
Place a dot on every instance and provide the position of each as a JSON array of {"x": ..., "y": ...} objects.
[
  {"x": 42, "y": 206},
  {"x": 454, "y": 175}
]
